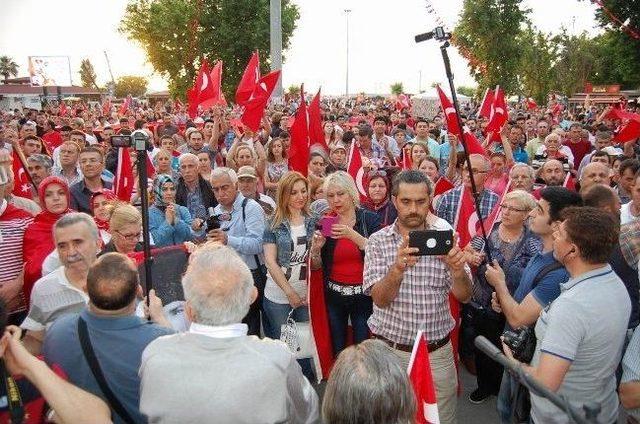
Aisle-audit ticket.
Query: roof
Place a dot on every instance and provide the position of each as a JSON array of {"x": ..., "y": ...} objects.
[
  {"x": 596, "y": 98},
  {"x": 164, "y": 93},
  {"x": 22, "y": 89}
]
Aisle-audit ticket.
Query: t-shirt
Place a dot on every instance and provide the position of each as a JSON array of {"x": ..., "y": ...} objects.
[
  {"x": 625, "y": 214},
  {"x": 586, "y": 325},
  {"x": 348, "y": 264},
  {"x": 579, "y": 149},
  {"x": 53, "y": 296},
  {"x": 631, "y": 367},
  {"x": 296, "y": 272}
]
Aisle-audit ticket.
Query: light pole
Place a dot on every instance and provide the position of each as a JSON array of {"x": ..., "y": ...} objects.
[
  {"x": 275, "y": 19},
  {"x": 347, "y": 11}
]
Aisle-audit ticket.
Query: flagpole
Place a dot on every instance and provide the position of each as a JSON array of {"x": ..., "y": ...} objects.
[{"x": 23, "y": 162}]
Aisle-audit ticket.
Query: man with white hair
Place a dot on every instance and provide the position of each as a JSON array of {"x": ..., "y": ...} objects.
[
  {"x": 522, "y": 177},
  {"x": 194, "y": 193},
  {"x": 215, "y": 372},
  {"x": 241, "y": 228},
  {"x": 594, "y": 173}
]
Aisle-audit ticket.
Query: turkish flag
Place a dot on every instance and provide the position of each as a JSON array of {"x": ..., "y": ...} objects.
[
  {"x": 629, "y": 131},
  {"x": 406, "y": 161},
  {"x": 63, "y": 109},
  {"x": 216, "y": 83},
  {"x": 22, "y": 184},
  {"x": 249, "y": 79},
  {"x": 422, "y": 381},
  {"x": 254, "y": 107},
  {"x": 531, "y": 104},
  {"x": 299, "y": 149},
  {"x": 442, "y": 186},
  {"x": 466, "y": 217},
  {"x": 356, "y": 170},
  {"x": 151, "y": 170},
  {"x": 206, "y": 90},
  {"x": 316, "y": 133},
  {"x": 124, "y": 107},
  {"x": 496, "y": 215},
  {"x": 449, "y": 113},
  {"x": 402, "y": 102},
  {"x": 569, "y": 182},
  {"x": 106, "y": 107},
  {"x": 123, "y": 182},
  {"x": 499, "y": 113},
  {"x": 485, "y": 106},
  {"x": 192, "y": 100}
]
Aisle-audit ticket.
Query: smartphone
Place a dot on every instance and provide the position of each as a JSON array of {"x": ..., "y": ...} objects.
[
  {"x": 326, "y": 223},
  {"x": 431, "y": 242}
]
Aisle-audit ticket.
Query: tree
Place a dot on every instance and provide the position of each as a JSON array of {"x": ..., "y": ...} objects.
[
  {"x": 487, "y": 36},
  {"x": 131, "y": 85},
  {"x": 8, "y": 67},
  {"x": 578, "y": 61},
  {"x": 293, "y": 90},
  {"x": 537, "y": 75},
  {"x": 466, "y": 91},
  {"x": 396, "y": 88},
  {"x": 178, "y": 34},
  {"x": 87, "y": 74}
]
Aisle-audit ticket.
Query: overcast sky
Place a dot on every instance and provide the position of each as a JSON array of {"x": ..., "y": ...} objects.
[{"x": 381, "y": 46}]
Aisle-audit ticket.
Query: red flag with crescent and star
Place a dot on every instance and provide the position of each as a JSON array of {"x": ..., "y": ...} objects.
[
  {"x": 22, "y": 185},
  {"x": 422, "y": 381},
  {"x": 356, "y": 170}
]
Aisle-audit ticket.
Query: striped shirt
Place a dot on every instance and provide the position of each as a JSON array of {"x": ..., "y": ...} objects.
[
  {"x": 53, "y": 296},
  {"x": 631, "y": 367},
  {"x": 13, "y": 223},
  {"x": 423, "y": 299},
  {"x": 447, "y": 205}
]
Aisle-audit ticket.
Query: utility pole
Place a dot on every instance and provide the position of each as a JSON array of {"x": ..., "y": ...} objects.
[
  {"x": 112, "y": 88},
  {"x": 347, "y": 12},
  {"x": 275, "y": 19}
]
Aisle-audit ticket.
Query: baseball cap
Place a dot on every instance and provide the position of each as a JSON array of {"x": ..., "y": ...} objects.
[{"x": 247, "y": 172}]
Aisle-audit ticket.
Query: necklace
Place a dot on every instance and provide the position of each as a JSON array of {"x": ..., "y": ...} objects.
[{"x": 509, "y": 238}]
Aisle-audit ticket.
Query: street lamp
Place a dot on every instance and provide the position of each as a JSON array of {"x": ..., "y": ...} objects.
[{"x": 347, "y": 11}]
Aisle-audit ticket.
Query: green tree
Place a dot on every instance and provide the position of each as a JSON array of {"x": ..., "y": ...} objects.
[
  {"x": 487, "y": 35},
  {"x": 396, "y": 88},
  {"x": 578, "y": 61},
  {"x": 293, "y": 90},
  {"x": 177, "y": 34},
  {"x": 131, "y": 85},
  {"x": 87, "y": 74},
  {"x": 8, "y": 67},
  {"x": 466, "y": 91},
  {"x": 537, "y": 75}
]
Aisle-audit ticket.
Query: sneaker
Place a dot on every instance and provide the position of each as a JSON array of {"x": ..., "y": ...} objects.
[{"x": 477, "y": 397}]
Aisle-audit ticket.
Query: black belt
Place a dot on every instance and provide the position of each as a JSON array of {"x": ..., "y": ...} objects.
[{"x": 432, "y": 346}]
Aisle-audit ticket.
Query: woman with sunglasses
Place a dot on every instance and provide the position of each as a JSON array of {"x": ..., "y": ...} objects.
[
  {"x": 379, "y": 198},
  {"x": 169, "y": 223},
  {"x": 512, "y": 244}
]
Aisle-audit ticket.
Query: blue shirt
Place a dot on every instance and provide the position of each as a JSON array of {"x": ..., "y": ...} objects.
[
  {"x": 548, "y": 288},
  {"x": 443, "y": 160},
  {"x": 118, "y": 343},
  {"x": 244, "y": 236}
]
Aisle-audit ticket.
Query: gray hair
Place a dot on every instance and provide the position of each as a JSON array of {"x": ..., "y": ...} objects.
[
  {"x": 530, "y": 171},
  {"x": 188, "y": 156},
  {"x": 43, "y": 160},
  {"x": 73, "y": 218},
  {"x": 360, "y": 384},
  {"x": 218, "y": 285},
  {"x": 524, "y": 199},
  {"x": 345, "y": 181},
  {"x": 223, "y": 171}
]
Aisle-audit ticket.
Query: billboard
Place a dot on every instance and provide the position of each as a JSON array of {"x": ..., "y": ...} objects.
[{"x": 50, "y": 70}]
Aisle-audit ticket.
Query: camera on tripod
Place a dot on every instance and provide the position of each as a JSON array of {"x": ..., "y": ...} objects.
[
  {"x": 438, "y": 33},
  {"x": 522, "y": 343},
  {"x": 139, "y": 140}
]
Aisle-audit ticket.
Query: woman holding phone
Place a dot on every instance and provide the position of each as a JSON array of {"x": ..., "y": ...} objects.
[{"x": 340, "y": 254}]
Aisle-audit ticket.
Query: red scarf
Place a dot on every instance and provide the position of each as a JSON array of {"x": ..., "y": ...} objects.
[{"x": 102, "y": 224}]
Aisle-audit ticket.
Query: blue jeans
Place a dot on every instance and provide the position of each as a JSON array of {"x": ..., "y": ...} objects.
[
  {"x": 340, "y": 308},
  {"x": 277, "y": 314}
]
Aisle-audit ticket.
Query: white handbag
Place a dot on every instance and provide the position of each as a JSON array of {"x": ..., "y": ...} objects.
[{"x": 297, "y": 336}]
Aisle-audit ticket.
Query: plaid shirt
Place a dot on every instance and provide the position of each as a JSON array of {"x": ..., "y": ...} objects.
[
  {"x": 447, "y": 205},
  {"x": 630, "y": 242},
  {"x": 423, "y": 299}
]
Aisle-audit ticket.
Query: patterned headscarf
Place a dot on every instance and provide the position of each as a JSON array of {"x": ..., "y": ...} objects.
[{"x": 157, "y": 189}]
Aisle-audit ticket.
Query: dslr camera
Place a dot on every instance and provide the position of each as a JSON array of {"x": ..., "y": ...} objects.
[{"x": 522, "y": 343}]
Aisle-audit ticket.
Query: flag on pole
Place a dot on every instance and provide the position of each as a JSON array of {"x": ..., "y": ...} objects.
[
  {"x": 402, "y": 102},
  {"x": 106, "y": 107},
  {"x": 249, "y": 80},
  {"x": 216, "y": 83},
  {"x": 422, "y": 380},
  {"x": 569, "y": 182},
  {"x": 22, "y": 184},
  {"x": 406, "y": 161},
  {"x": 356, "y": 170},
  {"x": 449, "y": 112},
  {"x": 316, "y": 133},
  {"x": 499, "y": 115},
  {"x": 466, "y": 217},
  {"x": 299, "y": 149},
  {"x": 485, "y": 106},
  {"x": 124, "y": 107},
  {"x": 254, "y": 107},
  {"x": 63, "y": 109},
  {"x": 531, "y": 104},
  {"x": 123, "y": 182},
  {"x": 441, "y": 186}
]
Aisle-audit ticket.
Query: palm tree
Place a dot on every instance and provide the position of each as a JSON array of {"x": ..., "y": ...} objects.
[{"x": 8, "y": 67}]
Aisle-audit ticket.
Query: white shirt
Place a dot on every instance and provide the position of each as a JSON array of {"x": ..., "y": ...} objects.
[
  {"x": 219, "y": 332},
  {"x": 625, "y": 214}
]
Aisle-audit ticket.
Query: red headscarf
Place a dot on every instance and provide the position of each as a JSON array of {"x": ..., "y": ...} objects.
[
  {"x": 110, "y": 195},
  {"x": 38, "y": 238},
  {"x": 369, "y": 204}
]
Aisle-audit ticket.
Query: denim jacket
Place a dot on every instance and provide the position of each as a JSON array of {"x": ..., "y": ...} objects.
[{"x": 281, "y": 237}]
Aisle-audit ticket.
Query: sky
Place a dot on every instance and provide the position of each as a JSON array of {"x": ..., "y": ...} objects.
[{"x": 381, "y": 45}]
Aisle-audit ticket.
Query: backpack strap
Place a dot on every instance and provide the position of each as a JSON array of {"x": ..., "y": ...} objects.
[{"x": 544, "y": 271}]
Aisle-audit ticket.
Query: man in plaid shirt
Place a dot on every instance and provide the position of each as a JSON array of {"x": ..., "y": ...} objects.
[
  {"x": 447, "y": 206},
  {"x": 411, "y": 292}
]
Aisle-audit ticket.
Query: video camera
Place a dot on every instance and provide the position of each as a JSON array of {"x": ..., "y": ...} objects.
[{"x": 139, "y": 140}]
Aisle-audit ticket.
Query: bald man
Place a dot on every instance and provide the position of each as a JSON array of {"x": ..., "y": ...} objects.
[
  {"x": 594, "y": 173},
  {"x": 552, "y": 172}
]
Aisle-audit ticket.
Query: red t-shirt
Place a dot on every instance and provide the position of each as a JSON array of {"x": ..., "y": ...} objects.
[
  {"x": 579, "y": 150},
  {"x": 348, "y": 264}
]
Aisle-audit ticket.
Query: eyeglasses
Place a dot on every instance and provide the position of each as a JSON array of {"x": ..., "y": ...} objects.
[
  {"x": 129, "y": 237},
  {"x": 512, "y": 209}
]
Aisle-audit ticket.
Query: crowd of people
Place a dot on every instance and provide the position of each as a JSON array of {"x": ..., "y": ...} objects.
[{"x": 557, "y": 270}]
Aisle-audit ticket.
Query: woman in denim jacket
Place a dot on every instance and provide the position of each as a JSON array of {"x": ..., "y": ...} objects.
[
  {"x": 341, "y": 258},
  {"x": 287, "y": 241}
]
